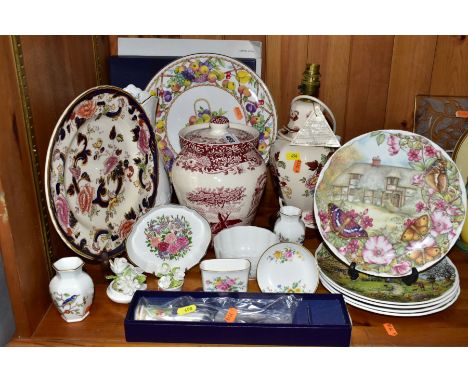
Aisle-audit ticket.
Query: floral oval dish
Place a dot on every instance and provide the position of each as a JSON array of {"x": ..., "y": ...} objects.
[
  {"x": 170, "y": 234},
  {"x": 389, "y": 201},
  {"x": 101, "y": 171},
  {"x": 195, "y": 88},
  {"x": 287, "y": 268}
]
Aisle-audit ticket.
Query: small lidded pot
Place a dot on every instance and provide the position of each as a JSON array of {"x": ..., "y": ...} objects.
[
  {"x": 219, "y": 172},
  {"x": 225, "y": 275}
]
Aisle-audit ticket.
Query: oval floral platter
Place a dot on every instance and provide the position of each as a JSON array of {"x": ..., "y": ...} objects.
[
  {"x": 389, "y": 201},
  {"x": 170, "y": 234},
  {"x": 195, "y": 88},
  {"x": 287, "y": 268},
  {"x": 101, "y": 171},
  {"x": 433, "y": 285}
]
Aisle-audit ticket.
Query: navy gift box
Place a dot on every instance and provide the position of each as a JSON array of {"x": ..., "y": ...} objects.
[
  {"x": 136, "y": 70},
  {"x": 320, "y": 320}
]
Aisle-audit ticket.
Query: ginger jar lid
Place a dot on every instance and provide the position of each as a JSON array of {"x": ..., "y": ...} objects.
[{"x": 219, "y": 132}]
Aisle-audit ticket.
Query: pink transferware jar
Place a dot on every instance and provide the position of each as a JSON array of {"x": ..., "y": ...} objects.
[{"x": 219, "y": 172}]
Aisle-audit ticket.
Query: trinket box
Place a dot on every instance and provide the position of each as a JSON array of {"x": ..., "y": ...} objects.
[{"x": 319, "y": 320}]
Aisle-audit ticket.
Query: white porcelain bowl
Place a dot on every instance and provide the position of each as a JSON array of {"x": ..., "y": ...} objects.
[
  {"x": 225, "y": 275},
  {"x": 244, "y": 242}
]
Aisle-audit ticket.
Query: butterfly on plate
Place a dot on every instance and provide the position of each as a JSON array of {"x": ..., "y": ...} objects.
[
  {"x": 423, "y": 256},
  {"x": 436, "y": 176},
  {"x": 417, "y": 229},
  {"x": 343, "y": 224}
]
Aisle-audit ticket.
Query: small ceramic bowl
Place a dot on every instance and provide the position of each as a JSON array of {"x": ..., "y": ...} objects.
[
  {"x": 225, "y": 275},
  {"x": 244, "y": 242}
]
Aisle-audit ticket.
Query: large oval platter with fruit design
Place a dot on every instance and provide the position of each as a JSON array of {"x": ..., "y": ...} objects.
[
  {"x": 389, "y": 201},
  {"x": 195, "y": 88},
  {"x": 101, "y": 171},
  {"x": 170, "y": 234}
]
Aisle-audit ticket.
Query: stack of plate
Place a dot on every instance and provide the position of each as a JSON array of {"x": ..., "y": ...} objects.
[{"x": 436, "y": 288}]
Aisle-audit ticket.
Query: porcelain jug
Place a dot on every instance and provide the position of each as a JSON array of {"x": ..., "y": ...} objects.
[
  {"x": 71, "y": 289},
  {"x": 296, "y": 169},
  {"x": 149, "y": 104},
  {"x": 289, "y": 227},
  {"x": 219, "y": 172}
]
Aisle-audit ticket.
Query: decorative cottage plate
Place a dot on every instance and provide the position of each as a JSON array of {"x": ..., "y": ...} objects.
[
  {"x": 195, "y": 88},
  {"x": 168, "y": 234},
  {"x": 432, "y": 286},
  {"x": 397, "y": 312},
  {"x": 389, "y": 201},
  {"x": 460, "y": 155},
  {"x": 434, "y": 118},
  {"x": 287, "y": 268},
  {"x": 101, "y": 171}
]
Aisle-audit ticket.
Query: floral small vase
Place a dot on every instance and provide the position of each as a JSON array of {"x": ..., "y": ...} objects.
[
  {"x": 289, "y": 226},
  {"x": 71, "y": 289}
]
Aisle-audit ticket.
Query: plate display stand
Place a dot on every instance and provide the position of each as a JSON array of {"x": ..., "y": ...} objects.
[{"x": 408, "y": 280}]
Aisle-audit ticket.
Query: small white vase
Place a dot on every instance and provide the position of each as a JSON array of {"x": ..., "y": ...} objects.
[
  {"x": 289, "y": 226},
  {"x": 71, "y": 289}
]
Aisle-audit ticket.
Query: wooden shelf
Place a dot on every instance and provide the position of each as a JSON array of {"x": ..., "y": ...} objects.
[{"x": 104, "y": 326}]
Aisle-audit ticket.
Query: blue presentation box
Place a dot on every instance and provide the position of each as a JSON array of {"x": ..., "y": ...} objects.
[{"x": 320, "y": 320}]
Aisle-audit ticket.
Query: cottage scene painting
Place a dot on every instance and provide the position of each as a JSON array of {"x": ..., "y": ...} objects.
[{"x": 390, "y": 201}]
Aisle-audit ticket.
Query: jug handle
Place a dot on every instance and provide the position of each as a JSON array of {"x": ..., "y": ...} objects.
[{"x": 327, "y": 109}]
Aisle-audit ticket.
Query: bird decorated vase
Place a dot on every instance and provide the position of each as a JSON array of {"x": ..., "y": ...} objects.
[
  {"x": 219, "y": 173},
  {"x": 71, "y": 289}
]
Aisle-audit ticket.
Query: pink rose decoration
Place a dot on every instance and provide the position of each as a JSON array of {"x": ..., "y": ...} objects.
[
  {"x": 173, "y": 248},
  {"x": 63, "y": 211},
  {"x": 110, "y": 163},
  {"x": 182, "y": 242},
  {"x": 401, "y": 268},
  {"x": 154, "y": 241},
  {"x": 414, "y": 155},
  {"x": 378, "y": 250},
  {"x": 440, "y": 205},
  {"x": 143, "y": 141},
  {"x": 353, "y": 246},
  {"x": 367, "y": 221},
  {"x": 430, "y": 151},
  {"x": 170, "y": 238},
  {"x": 440, "y": 223},
  {"x": 420, "y": 206}
]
